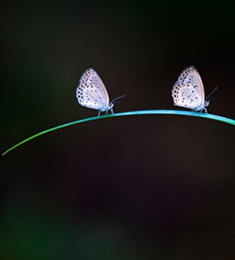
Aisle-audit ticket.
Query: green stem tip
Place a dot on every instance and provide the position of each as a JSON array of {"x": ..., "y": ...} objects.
[{"x": 130, "y": 113}]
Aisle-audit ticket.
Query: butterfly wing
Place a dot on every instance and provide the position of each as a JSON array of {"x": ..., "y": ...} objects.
[
  {"x": 188, "y": 91},
  {"x": 91, "y": 91}
]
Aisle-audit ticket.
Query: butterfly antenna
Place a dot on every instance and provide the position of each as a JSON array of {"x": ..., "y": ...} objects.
[
  {"x": 114, "y": 100},
  {"x": 212, "y": 92},
  {"x": 219, "y": 97}
]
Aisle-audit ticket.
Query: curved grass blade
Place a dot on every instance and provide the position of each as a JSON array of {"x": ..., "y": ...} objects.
[{"x": 130, "y": 113}]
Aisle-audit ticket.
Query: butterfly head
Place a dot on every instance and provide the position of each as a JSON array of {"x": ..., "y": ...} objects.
[{"x": 110, "y": 106}]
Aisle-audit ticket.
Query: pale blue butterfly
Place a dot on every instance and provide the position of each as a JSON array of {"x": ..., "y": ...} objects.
[
  {"x": 91, "y": 93},
  {"x": 188, "y": 91}
]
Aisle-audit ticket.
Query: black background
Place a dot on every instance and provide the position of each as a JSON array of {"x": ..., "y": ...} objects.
[{"x": 143, "y": 187}]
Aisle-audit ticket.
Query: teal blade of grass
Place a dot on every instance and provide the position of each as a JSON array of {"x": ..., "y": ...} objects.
[{"x": 130, "y": 113}]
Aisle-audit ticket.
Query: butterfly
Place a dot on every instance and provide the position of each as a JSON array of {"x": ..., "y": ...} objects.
[
  {"x": 188, "y": 91},
  {"x": 91, "y": 93}
]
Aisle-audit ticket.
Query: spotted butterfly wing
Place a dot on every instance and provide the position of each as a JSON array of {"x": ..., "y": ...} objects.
[
  {"x": 188, "y": 91},
  {"x": 91, "y": 91}
]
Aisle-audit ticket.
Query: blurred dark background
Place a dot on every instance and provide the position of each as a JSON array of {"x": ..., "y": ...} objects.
[{"x": 143, "y": 187}]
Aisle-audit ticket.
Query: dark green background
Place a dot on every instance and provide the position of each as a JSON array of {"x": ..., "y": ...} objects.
[{"x": 145, "y": 187}]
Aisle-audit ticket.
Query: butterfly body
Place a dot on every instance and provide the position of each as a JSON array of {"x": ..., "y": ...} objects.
[
  {"x": 92, "y": 93},
  {"x": 188, "y": 91}
]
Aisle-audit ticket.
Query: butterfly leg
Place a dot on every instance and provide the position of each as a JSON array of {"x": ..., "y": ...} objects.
[
  {"x": 205, "y": 110},
  {"x": 99, "y": 113},
  {"x": 112, "y": 110},
  {"x": 194, "y": 111}
]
